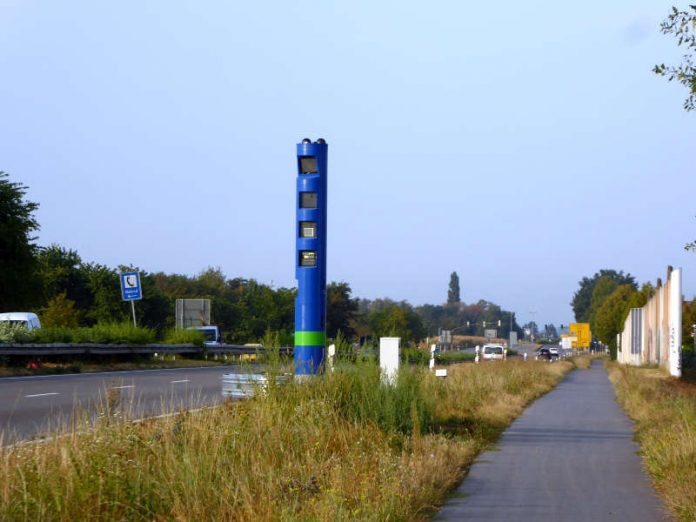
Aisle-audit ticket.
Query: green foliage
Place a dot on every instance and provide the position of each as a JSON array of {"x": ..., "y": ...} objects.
[
  {"x": 344, "y": 348},
  {"x": 397, "y": 320},
  {"x": 13, "y": 333},
  {"x": 582, "y": 299},
  {"x": 455, "y": 357},
  {"x": 453, "y": 293},
  {"x": 457, "y": 315},
  {"x": 682, "y": 25},
  {"x": 105, "y": 290},
  {"x": 603, "y": 289},
  {"x": 688, "y": 324},
  {"x": 179, "y": 336},
  {"x": 60, "y": 271},
  {"x": 360, "y": 395},
  {"x": 108, "y": 333},
  {"x": 60, "y": 311},
  {"x": 18, "y": 286},
  {"x": 415, "y": 356},
  {"x": 612, "y": 314},
  {"x": 340, "y": 310}
]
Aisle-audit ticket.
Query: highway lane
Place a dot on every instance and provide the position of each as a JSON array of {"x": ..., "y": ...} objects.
[{"x": 33, "y": 406}]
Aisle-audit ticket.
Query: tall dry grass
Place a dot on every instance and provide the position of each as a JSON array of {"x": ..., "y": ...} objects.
[
  {"x": 665, "y": 413},
  {"x": 342, "y": 447}
]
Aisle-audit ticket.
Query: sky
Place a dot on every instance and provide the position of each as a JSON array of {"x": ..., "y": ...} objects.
[{"x": 523, "y": 145}]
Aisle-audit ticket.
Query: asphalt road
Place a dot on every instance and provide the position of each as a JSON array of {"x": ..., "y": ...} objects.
[
  {"x": 33, "y": 406},
  {"x": 569, "y": 457}
]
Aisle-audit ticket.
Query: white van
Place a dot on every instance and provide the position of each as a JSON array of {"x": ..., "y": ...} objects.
[
  {"x": 26, "y": 319},
  {"x": 492, "y": 352}
]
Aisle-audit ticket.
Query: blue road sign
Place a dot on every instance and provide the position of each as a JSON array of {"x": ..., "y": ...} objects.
[{"x": 130, "y": 286}]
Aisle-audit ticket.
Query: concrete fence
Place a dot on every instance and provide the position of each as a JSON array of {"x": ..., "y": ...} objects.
[{"x": 652, "y": 334}]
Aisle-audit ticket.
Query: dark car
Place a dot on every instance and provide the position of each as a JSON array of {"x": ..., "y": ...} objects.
[{"x": 544, "y": 354}]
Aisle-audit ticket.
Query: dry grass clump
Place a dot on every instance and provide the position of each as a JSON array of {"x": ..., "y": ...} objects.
[
  {"x": 665, "y": 413},
  {"x": 342, "y": 447}
]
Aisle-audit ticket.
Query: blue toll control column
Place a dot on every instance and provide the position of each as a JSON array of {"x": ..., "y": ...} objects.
[{"x": 310, "y": 257}]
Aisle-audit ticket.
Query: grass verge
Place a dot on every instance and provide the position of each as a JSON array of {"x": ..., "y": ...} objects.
[
  {"x": 343, "y": 447},
  {"x": 664, "y": 410}
]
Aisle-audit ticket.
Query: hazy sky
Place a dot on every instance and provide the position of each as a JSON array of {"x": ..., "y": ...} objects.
[{"x": 523, "y": 144}]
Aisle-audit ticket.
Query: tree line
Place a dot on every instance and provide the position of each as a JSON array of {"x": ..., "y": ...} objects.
[
  {"x": 604, "y": 301},
  {"x": 68, "y": 291}
]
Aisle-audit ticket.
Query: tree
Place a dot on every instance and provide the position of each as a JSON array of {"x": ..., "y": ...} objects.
[
  {"x": 603, "y": 289},
  {"x": 682, "y": 24},
  {"x": 17, "y": 248},
  {"x": 61, "y": 271},
  {"x": 453, "y": 295},
  {"x": 340, "y": 310},
  {"x": 688, "y": 325},
  {"x": 397, "y": 320},
  {"x": 611, "y": 316},
  {"x": 583, "y": 297},
  {"x": 60, "y": 312}
]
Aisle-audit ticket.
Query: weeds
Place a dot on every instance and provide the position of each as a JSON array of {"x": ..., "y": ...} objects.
[
  {"x": 665, "y": 413},
  {"x": 342, "y": 447},
  {"x": 107, "y": 333},
  {"x": 179, "y": 336}
]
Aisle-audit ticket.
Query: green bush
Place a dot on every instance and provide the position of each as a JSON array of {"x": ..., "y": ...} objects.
[
  {"x": 178, "y": 336},
  {"x": 107, "y": 333},
  {"x": 16, "y": 333},
  {"x": 415, "y": 356},
  {"x": 454, "y": 357},
  {"x": 55, "y": 334}
]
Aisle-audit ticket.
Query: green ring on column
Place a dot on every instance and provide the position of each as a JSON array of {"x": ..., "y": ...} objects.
[{"x": 310, "y": 339}]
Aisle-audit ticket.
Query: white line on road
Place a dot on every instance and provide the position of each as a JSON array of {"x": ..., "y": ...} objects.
[
  {"x": 176, "y": 382},
  {"x": 122, "y": 387},
  {"x": 41, "y": 394}
]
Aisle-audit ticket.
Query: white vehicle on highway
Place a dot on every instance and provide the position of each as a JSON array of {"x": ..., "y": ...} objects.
[
  {"x": 27, "y": 320},
  {"x": 213, "y": 338},
  {"x": 493, "y": 352}
]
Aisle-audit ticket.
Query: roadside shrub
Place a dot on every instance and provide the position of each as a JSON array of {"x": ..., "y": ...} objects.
[
  {"x": 16, "y": 333},
  {"x": 107, "y": 333},
  {"x": 55, "y": 334},
  {"x": 179, "y": 336},
  {"x": 415, "y": 356},
  {"x": 454, "y": 357}
]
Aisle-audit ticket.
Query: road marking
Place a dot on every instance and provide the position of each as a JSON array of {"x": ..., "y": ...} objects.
[
  {"x": 122, "y": 387},
  {"x": 41, "y": 395},
  {"x": 176, "y": 382}
]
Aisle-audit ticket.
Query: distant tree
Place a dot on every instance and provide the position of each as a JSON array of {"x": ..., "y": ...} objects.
[
  {"x": 397, "y": 320},
  {"x": 18, "y": 288},
  {"x": 688, "y": 324},
  {"x": 582, "y": 299},
  {"x": 611, "y": 315},
  {"x": 61, "y": 271},
  {"x": 603, "y": 289},
  {"x": 682, "y": 25},
  {"x": 104, "y": 286},
  {"x": 340, "y": 310},
  {"x": 60, "y": 311},
  {"x": 453, "y": 295}
]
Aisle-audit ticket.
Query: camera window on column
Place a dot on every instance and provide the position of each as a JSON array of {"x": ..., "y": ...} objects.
[
  {"x": 308, "y": 258},
  {"x": 308, "y": 229},
  {"x": 308, "y": 200}
]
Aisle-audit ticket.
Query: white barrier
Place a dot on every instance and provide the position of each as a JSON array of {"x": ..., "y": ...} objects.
[{"x": 652, "y": 334}]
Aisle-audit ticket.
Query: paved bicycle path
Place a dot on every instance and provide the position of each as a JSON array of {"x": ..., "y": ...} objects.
[{"x": 569, "y": 457}]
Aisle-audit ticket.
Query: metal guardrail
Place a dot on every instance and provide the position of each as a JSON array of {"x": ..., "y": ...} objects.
[{"x": 125, "y": 349}]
